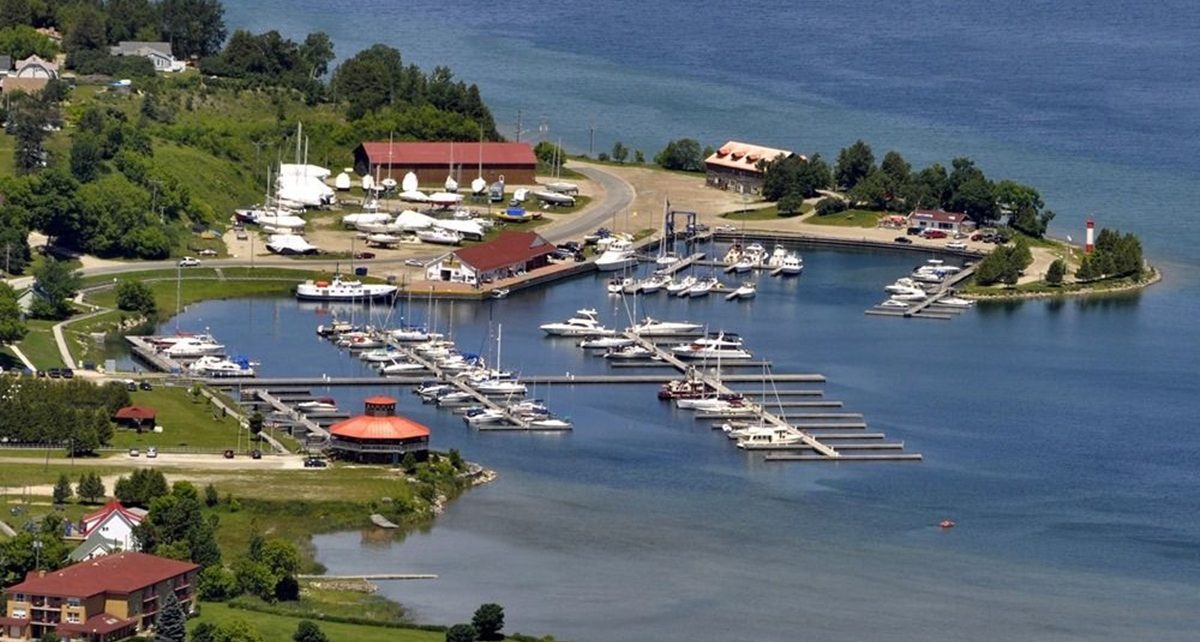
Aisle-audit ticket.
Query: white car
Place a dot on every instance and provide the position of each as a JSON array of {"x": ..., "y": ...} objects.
[
  {"x": 956, "y": 245},
  {"x": 189, "y": 261}
]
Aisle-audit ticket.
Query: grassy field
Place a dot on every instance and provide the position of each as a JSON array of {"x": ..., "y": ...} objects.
[
  {"x": 39, "y": 346},
  {"x": 768, "y": 213},
  {"x": 188, "y": 422},
  {"x": 848, "y": 218},
  {"x": 280, "y": 628}
]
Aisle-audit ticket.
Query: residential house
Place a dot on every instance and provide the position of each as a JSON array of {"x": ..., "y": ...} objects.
[
  {"x": 159, "y": 53},
  {"x": 98, "y": 600},
  {"x": 35, "y": 67},
  {"x": 107, "y": 530},
  {"x": 509, "y": 254}
]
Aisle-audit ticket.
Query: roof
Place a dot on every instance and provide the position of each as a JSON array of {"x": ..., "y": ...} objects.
[
  {"x": 379, "y": 427},
  {"x": 133, "y": 515},
  {"x": 414, "y": 154},
  {"x": 938, "y": 216},
  {"x": 120, "y": 573},
  {"x": 37, "y": 60},
  {"x": 506, "y": 249},
  {"x": 97, "y": 541},
  {"x": 101, "y": 624},
  {"x": 744, "y": 156},
  {"x": 136, "y": 412},
  {"x": 5, "y": 63},
  {"x": 140, "y": 48},
  {"x": 27, "y": 85},
  {"x": 379, "y": 400}
]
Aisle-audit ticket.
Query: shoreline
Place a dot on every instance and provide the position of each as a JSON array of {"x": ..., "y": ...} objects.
[{"x": 1004, "y": 295}]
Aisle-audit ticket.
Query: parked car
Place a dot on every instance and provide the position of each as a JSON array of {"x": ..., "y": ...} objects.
[
  {"x": 67, "y": 373},
  {"x": 914, "y": 231},
  {"x": 256, "y": 454},
  {"x": 956, "y": 245},
  {"x": 189, "y": 261},
  {"x": 977, "y": 237},
  {"x": 363, "y": 256},
  {"x": 151, "y": 452},
  {"x": 414, "y": 262},
  {"x": 933, "y": 234},
  {"x": 207, "y": 252},
  {"x": 54, "y": 373},
  {"x": 228, "y": 453},
  {"x": 903, "y": 240},
  {"x": 145, "y": 385},
  {"x": 315, "y": 462},
  {"x": 134, "y": 452},
  {"x": 725, "y": 229}
]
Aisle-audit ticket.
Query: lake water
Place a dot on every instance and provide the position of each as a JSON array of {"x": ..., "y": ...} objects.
[{"x": 1060, "y": 435}]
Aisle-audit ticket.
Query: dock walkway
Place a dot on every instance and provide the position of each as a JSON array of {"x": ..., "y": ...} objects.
[{"x": 929, "y": 307}]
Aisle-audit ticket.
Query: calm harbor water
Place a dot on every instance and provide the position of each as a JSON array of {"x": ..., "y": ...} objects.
[{"x": 1060, "y": 435}]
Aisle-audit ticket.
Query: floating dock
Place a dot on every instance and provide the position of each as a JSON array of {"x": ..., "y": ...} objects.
[{"x": 929, "y": 308}]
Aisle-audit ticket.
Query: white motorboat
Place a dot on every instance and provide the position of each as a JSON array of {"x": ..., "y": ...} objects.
[
  {"x": 210, "y": 366},
  {"x": 618, "y": 285},
  {"x": 359, "y": 341},
  {"x": 910, "y": 296},
  {"x": 777, "y": 256},
  {"x": 604, "y": 343},
  {"x": 342, "y": 290},
  {"x": 288, "y": 244},
  {"x": 445, "y": 199},
  {"x": 500, "y": 387},
  {"x": 792, "y": 264},
  {"x": 401, "y": 367},
  {"x": 454, "y": 396},
  {"x": 899, "y": 289},
  {"x": 650, "y": 327},
  {"x": 766, "y": 438},
  {"x": 554, "y": 198},
  {"x": 714, "y": 346},
  {"x": 746, "y": 291},
  {"x": 618, "y": 255},
  {"x": 383, "y": 239},
  {"x": 583, "y": 324},
  {"x": 440, "y": 236},
  {"x": 380, "y": 355},
  {"x": 896, "y": 303},
  {"x": 413, "y": 333},
  {"x": 366, "y": 218},
  {"x": 681, "y": 287},
  {"x": 324, "y": 404},
  {"x": 712, "y": 404},
  {"x": 733, "y": 255},
  {"x": 756, "y": 253},
  {"x": 481, "y": 416},
  {"x": 743, "y": 264},
  {"x": 192, "y": 347},
  {"x": 956, "y": 302},
  {"x": 703, "y": 287},
  {"x": 550, "y": 423},
  {"x": 654, "y": 283},
  {"x": 629, "y": 352}
]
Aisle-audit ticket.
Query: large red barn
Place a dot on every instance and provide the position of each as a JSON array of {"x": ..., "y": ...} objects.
[{"x": 433, "y": 162}]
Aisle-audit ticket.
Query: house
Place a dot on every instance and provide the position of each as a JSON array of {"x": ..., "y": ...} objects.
[
  {"x": 433, "y": 162},
  {"x": 949, "y": 222},
  {"x": 136, "y": 417},
  {"x": 107, "y": 530},
  {"x": 159, "y": 53},
  {"x": 509, "y": 254},
  {"x": 736, "y": 166},
  {"x": 35, "y": 67},
  {"x": 98, "y": 600},
  {"x": 378, "y": 435}
]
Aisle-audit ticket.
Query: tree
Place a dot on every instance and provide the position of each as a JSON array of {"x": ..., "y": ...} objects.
[
  {"x": 204, "y": 632},
  {"x": 371, "y": 79},
  {"x": 620, "y": 152},
  {"x": 62, "y": 490},
  {"x": 237, "y": 631},
  {"x": 488, "y": 621},
  {"x": 29, "y": 121},
  {"x": 894, "y": 165},
  {"x": 1057, "y": 272},
  {"x": 854, "y": 163},
  {"x": 461, "y": 633},
  {"x": 456, "y": 459},
  {"x": 409, "y": 463},
  {"x": 57, "y": 283},
  {"x": 790, "y": 205},
  {"x": 87, "y": 32},
  {"x": 317, "y": 52},
  {"x": 876, "y": 191},
  {"x": 85, "y": 157},
  {"x": 308, "y": 631},
  {"x": 216, "y": 584},
  {"x": 211, "y": 498},
  {"x": 831, "y": 205},
  {"x": 129, "y": 20},
  {"x": 22, "y": 41},
  {"x": 90, "y": 488},
  {"x": 639, "y": 157},
  {"x": 683, "y": 154},
  {"x": 256, "y": 424},
  {"x": 254, "y": 578},
  {"x": 12, "y": 328},
  {"x": 15, "y": 12},
  {"x": 171, "y": 625},
  {"x": 136, "y": 296},
  {"x": 193, "y": 27}
]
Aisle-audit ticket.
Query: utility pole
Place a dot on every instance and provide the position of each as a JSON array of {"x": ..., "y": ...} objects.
[
  {"x": 518, "y": 125},
  {"x": 591, "y": 138}
]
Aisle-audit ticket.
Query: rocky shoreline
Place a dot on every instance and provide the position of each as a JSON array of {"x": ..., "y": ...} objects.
[{"x": 1005, "y": 295}]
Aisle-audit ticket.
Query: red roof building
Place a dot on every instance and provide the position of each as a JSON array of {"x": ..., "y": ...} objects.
[
  {"x": 736, "y": 166},
  {"x": 135, "y": 416},
  {"x": 378, "y": 435},
  {"x": 952, "y": 222},
  {"x": 102, "y": 599},
  {"x": 509, "y": 254},
  {"x": 433, "y": 162}
]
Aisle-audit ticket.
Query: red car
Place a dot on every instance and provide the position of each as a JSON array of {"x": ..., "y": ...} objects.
[{"x": 934, "y": 234}]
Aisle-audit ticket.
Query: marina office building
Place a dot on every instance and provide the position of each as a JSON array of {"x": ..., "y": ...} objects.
[
  {"x": 433, "y": 162},
  {"x": 949, "y": 222},
  {"x": 509, "y": 254},
  {"x": 735, "y": 166}
]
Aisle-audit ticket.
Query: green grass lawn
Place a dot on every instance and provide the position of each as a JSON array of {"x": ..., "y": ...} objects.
[
  {"x": 848, "y": 218},
  {"x": 187, "y": 423},
  {"x": 280, "y": 628},
  {"x": 39, "y": 346},
  {"x": 768, "y": 213}
]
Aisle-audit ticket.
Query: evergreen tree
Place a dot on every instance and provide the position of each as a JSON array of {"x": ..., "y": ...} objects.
[
  {"x": 308, "y": 631},
  {"x": 211, "y": 498},
  {"x": 620, "y": 152},
  {"x": 1056, "y": 272},
  {"x": 461, "y": 633},
  {"x": 90, "y": 488},
  {"x": 62, "y": 490},
  {"x": 854, "y": 163},
  {"x": 171, "y": 625},
  {"x": 204, "y": 632},
  {"x": 12, "y": 328},
  {"x": 488, "y": 621}
]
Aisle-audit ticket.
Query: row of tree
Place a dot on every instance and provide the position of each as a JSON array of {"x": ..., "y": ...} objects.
[
  {"x": 1116, "y": 255},
  {"x": 1004, "y": 264},
  {"x": 73, "y": 413}
]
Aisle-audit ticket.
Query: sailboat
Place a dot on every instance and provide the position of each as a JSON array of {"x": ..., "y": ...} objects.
[{"x": 665, "y": 257}]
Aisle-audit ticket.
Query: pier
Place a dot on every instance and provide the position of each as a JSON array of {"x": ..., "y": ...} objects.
[
  {"x": 142, "y": 349},
  {"x": 929, "y": 307},
  {"x": 568, "y": 379},
  {"x": 315, "y": 432},
  {"x": 678, "y": 266}
]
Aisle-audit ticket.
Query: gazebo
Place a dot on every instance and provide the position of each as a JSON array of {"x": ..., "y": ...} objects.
[
  {"x": 378, "y": 436},
  {"x": 136, "y": 417}
]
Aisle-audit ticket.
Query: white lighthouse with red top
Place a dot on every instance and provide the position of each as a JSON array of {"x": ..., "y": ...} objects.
[{"x": 1091, "y": 236}]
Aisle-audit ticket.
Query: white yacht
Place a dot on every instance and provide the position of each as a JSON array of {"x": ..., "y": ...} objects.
[
  {"x": 743, "y": 264},
  {"x": 617, "y": 285},
  {"x": 397, "y": 366},
  {"x": 681, "y": 287},
  {"x": 770, "y": 437},
  {"x": 583, "y": 324},
  {"x": 413, "y": 333},
  {"x": 604, "y": 343},
  {"x": 380, "y": 355},
  {"x": 910, "y": 296},
  {"x": 480, "y": 416},
  {"x": 342, "y": 290},
  {"x": 956, "y": 302},
  {"x": 792, "y": 264},
  {"x": 746, "y": 291},
  {"x": 324, "y": 404},
  {"x": 654, "y": 283},
  {"x": 550, "y": 423},
  {"x": 714, "y": 346},
  {"x": 618, "y": 255},
  {"x": 649, "y": 327},
  {"x": 210, "y": 366},
  {"x": 500, "y": 387},
  {"x": 192, "y": 347},
  {"x": 440, "y": 236},
  {"x": 896, "y": 304},
  {"x": 703, "y": 287},
  {"x": 777, "y": 256},
  {"x": 629, "y": 352}
]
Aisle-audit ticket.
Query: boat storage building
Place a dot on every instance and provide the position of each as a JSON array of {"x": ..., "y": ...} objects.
[{"x": 433, "y": 162}]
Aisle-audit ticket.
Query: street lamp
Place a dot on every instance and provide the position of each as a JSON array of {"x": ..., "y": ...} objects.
[{"x": 37, "y": 553}]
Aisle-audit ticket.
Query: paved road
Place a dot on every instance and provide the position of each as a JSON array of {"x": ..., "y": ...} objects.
[{"x": 618, "y": 197}]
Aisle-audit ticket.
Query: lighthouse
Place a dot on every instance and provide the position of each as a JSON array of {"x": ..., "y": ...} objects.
[{"x": 1091, "y": 237}]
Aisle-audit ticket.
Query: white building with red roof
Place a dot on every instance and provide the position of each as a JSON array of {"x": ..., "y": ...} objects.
[
  {"x": 108, "y": 530},
  {"x": 432, "y": 162},
  {"x": 379, "y": 436},
  {"x": 738, "y": 166},
  {"x": 949, "y": 222},
  {"x": 509, "y": 254}
]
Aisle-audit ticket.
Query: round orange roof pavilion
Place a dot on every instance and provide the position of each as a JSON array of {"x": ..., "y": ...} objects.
[{"x": 379, "y": 422}]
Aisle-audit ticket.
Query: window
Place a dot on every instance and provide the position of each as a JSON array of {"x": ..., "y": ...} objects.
[
  {"x": 19, "y": 614},
  {"x": 19, "y": 597},
  {"x": 73, "y": 617},
  {"x": 72, "y": 601}
]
